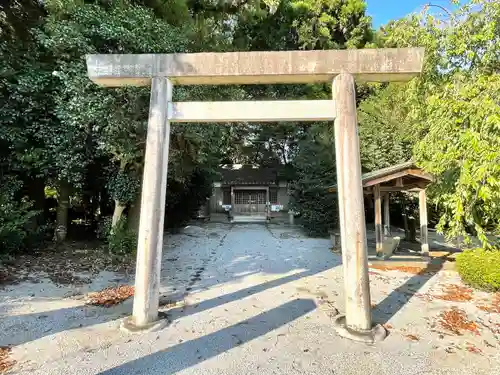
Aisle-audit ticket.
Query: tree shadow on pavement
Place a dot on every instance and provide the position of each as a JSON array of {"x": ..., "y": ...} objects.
[
  {"x": 400, "y": 296},
  {"x": 193, "y": 352},
  {"x": 20, "y": 329}
]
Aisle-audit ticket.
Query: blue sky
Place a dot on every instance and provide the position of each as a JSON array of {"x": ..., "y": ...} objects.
[{"x": 382, "y": 11}]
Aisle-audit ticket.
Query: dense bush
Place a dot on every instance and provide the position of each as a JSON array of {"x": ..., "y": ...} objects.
[
  {"x": 184, "y": 199},
  {"x": 16, "y": 219},
  {"x": 317, "y": 210},
  {"x": 314, "y": 171},
  {"x": 480, "y": 268},
  {"x": 120, "y": 240}
]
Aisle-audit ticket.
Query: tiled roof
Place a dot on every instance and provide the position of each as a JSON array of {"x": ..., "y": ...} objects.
[
  {"x": 367, "y": 177},
  {"x": 249, "y": 175},
  {"x": 393, "y": 169}
]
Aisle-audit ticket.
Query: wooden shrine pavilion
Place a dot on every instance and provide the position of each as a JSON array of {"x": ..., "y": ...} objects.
[{"x": 401, "y": 177}]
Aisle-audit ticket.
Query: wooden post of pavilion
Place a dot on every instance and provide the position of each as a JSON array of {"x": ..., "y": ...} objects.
[
  {"x": 424, "y": 240},
  {"x": 378, "y": 220},
  {"x": 405, "y": 218},
  {"x": 387, "y": 216}
]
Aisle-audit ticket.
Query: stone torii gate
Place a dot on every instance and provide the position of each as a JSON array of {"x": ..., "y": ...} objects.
[{"x": 341, "y": 67}]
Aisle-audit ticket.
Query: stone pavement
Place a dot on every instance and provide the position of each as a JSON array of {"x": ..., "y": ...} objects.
[{"x": 250, "y": 299}]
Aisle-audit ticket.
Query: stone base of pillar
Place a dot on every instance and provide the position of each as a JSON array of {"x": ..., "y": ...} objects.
[
  {"x": 425, "y": 250},
  {"x": 128, "y": 325},
  {"x": 371, "y": 336}
]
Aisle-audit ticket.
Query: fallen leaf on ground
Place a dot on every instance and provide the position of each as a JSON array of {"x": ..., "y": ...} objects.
[
  {"x": 61, "y": 263},
  {"x": 453, "y": 293},
  {"x": 5, "y": 362},
  {"x": 473, "y": 349},
  {"x": 412, "y": 337},
  {"x": 111, "y": 296},
  {"x": 408, "y": 269},
  {"x": 456, "y": 321},
  {"x": 494, "y": 307},
  {"x": 456, "y": 293}
]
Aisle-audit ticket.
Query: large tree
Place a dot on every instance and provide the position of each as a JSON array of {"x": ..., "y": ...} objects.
[
  {"x": 116, "y": 119},
  {"x": 60, "y": 129},
  {"x": 26, "y": 85},
  {"x": 451, "y": 112}
]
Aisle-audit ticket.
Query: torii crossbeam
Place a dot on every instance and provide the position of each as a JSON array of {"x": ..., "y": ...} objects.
[{"x": 341, "y": 67}]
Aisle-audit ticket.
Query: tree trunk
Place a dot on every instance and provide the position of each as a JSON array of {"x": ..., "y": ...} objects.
[
  {"x": 103, "y": 204},
  {"x": 36, "y": 193},
  {"x": 63, "y": 192},
  {"x": 117, "y": 213},
  {"x": 134, "y": 214}
]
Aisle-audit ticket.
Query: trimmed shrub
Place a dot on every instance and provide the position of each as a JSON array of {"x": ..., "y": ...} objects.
[{"x": 480, "y": 268}]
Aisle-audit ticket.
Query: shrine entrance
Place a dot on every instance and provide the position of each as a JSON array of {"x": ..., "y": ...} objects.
[
  {"x": 250, "y": 201},
  {"x": 340, "y": 67}
]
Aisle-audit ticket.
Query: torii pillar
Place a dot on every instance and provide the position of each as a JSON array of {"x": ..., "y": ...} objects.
[{"x": 342, "y": 67}]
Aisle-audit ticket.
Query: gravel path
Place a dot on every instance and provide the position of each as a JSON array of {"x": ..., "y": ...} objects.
[{"x": 248, "y": 299}]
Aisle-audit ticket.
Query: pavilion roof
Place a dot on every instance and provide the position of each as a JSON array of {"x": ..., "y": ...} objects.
[{"x": 400, "y": 177}]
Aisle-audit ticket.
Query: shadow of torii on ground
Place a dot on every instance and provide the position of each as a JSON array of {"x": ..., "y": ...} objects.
[{"x": 190, "y": 353}]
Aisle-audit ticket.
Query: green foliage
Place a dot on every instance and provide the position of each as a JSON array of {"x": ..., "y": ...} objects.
[
  {"x": 119, "y": 240},
  {"x": 184, "y": 199},
  {"x": 480, "y": 268},
  {"x": 462, "y": 148},
  {"x": 174, "y": 12},
  {"x": 314, "y": 170},
  {"x": 449, "y": 115},
  {"x": 122, "y": 240},
  {"x": 384, "y": 137},
  {"x": 306, "y": 151},
  {"x": 16, "y": 218},
  {"x": 26, "y": 81},
  {"x": 97, "y": 121},
  {"x": 63, "y": 130},
  {"x": 330, "y": 24},
  {"x": 123, "y": 187},
  {"x": 103, "y": 228},
  {"x": 304, "y": 24}
]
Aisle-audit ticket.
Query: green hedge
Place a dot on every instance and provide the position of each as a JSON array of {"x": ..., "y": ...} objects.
[{"x": 480, "y": 268}]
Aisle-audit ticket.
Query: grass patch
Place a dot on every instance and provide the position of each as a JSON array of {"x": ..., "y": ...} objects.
[{"x": 480, "y": 268}]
